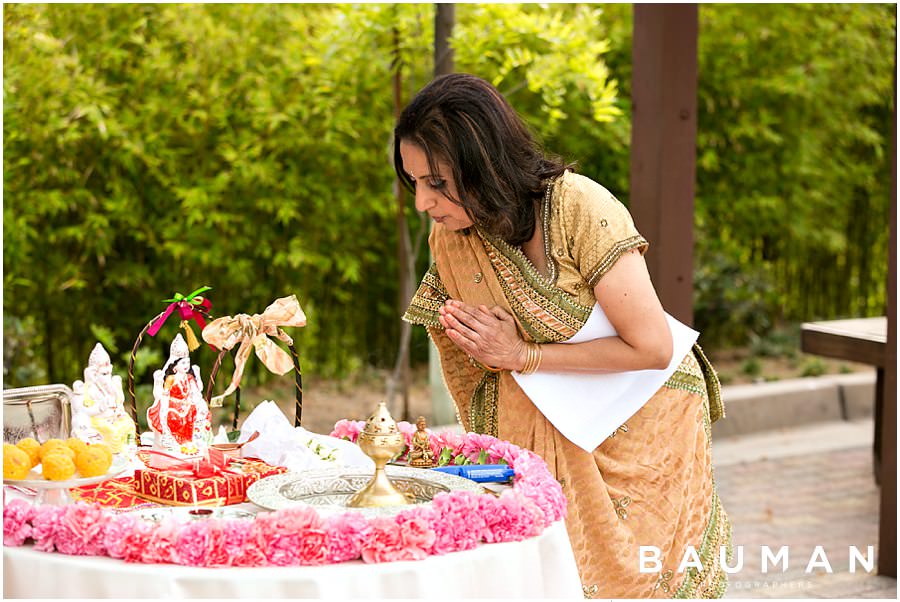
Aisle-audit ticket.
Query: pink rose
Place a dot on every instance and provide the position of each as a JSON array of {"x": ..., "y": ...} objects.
[
  {"x": 533, "y": 479},
  {"x": 136, "y": 541},
  {"x": 218, "y": 552},
  {"x": 345, "y": 535},
  {"x": 503, "y": 450},
  {"x": 407, "y": 429},
  {"x": 202, "y": 543},
  {"x": 17, "y": 515},
  {"x": 162, "y": 544},
  {"x": 253, "y": 549},
  {"x": 384, "y": 543},
  {"x": 450, "y": 439},
  {"x": 347, "y": 429},
  {"x": 293, "y": 536},
  {"x": 474, "y": 443},
  {"x": 45, "y": 525},
  {"x": 458, "y": 523},
  {"x": 237, "y": 533},
  {"x": 417, "y": 532},
  {"x": 511, "y": 517},
  {"x": 81, "y": 530},
  {"x": 115, "y": 530}
]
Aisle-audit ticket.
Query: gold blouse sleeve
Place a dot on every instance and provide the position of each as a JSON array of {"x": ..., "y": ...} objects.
[{"x": 598, "y": 229}]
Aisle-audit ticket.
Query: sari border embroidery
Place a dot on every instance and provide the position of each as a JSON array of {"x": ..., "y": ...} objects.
[
  {"x": 483, "y": 408},
  {"x": 545, "y": 227},
  {"x": 688, "y": 376},
  {"x": 429, "y": 297},
  {"x": 713, "y": 386},
  {"x": 712, "y": 581},
  {"x": 607, "y": 261},
  {"x": 546, "y": 313}
]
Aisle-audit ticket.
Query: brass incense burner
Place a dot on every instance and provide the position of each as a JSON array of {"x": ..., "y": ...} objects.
[{"x": 381, "y": 441}]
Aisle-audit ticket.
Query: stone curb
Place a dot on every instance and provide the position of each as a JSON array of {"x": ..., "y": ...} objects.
[{"x": 795, "y": 402}]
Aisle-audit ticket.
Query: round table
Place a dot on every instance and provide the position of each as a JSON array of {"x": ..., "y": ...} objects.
[{"x": 540, "y": 567}]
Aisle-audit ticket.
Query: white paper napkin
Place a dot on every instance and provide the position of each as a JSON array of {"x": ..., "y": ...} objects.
[
  {"x": 281, "y": 444},
  {"x": 587, "y": 408}
]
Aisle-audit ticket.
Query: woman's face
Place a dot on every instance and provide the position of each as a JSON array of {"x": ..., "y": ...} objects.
[
  {"x": 183, "y": 365},
  {"x": 431, "y": 188}
]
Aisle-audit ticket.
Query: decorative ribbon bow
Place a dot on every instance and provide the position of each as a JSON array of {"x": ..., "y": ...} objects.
[
  {"x": 255, "y": 330},
  {"x": 193, "y": 307},
  {"x": 213, "y": 463}
]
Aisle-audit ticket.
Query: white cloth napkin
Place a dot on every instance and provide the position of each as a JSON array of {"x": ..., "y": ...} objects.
[
  {"x": 587, "y": 408},
  {"x": 280, "y": 444}
]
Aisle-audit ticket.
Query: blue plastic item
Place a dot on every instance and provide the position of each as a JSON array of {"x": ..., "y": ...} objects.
[{"x": 480, "y": 473}]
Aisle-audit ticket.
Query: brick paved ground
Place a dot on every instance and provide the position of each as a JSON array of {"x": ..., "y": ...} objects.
[{"x": 825, "y": 498}]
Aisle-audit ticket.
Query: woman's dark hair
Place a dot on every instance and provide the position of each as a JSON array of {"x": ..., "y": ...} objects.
[{"x": 498, "y": 167}]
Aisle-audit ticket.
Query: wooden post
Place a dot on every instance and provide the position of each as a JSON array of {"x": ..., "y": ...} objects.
[
  {"x": 663, "y": 146},
  {"x": 887, "y": 520}
]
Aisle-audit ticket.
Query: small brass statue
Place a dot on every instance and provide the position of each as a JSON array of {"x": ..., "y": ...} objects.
[
  {"x": 420, "y": 454},
  {"x": 381, "y": 441}
]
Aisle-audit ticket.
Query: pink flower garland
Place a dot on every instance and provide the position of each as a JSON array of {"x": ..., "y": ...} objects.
[{"x": 453, "y": 521}]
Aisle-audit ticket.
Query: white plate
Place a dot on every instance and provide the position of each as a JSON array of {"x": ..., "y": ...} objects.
[
  {"x": 36, "y": 481},
  {"x": 328, "y": 489}
]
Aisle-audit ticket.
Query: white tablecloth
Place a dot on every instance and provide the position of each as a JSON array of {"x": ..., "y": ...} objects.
[{"x": 541, "y": 567}]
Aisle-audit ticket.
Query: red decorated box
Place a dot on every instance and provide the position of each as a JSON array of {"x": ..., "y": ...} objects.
[{"x": 179, "y": 489}]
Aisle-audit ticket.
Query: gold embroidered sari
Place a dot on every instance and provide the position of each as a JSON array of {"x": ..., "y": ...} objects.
[{"x": 650, "y": 483}]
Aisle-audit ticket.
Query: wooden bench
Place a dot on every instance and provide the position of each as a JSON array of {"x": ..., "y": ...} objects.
[{"x": 864, "y": 340}]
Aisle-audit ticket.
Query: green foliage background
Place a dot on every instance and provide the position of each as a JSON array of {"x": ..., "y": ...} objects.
[{"x": 156, "y": 148}]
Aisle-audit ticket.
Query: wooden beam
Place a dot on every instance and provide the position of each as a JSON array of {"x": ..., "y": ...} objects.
[
  {"x": 887, "y": 521},
  {"x": 663, "y": 146}
]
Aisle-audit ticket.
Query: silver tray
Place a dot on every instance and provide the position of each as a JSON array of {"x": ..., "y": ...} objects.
[
  {"x": 39, "y": 412},
  {"x": 329, "y": 489}
]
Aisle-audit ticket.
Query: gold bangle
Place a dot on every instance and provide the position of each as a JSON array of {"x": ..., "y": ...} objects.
[
  {"x": 532, "y": 358},
  {"x": 527, "y": 356},
  {"x": 540, "y": 355}
]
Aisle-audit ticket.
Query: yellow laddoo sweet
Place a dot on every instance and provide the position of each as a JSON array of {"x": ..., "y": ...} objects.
[
  {"x": 52, "y": 444},
  {"x": 57, "y": 466},
  {"x": 93, "y": 461},
  {"x": 16, "y": 462},
  {"x": 106, "y": 449},
  {"x": 32, "y": 448},
  {"x": 76, "y": 445}
]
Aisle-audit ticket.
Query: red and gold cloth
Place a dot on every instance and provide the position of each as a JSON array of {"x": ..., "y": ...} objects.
[{"x": 115, "y": 493}]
